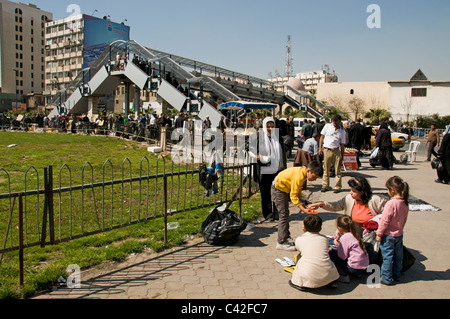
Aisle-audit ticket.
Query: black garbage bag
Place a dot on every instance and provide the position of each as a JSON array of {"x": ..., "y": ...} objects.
[{"x": 223, "y": 227}]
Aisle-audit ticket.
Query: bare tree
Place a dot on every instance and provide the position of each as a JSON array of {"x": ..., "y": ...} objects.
[
  {"x": 356, "y": 106},
  {"x": 407, "y": 105},
  {"x": 334, "y": 100}
]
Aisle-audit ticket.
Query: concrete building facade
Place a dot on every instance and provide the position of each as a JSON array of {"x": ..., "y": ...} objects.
[
  {"x": 22, "y": 41},
  {"x": 310, "y": 80},
  {"x": 405, "y": 100}
]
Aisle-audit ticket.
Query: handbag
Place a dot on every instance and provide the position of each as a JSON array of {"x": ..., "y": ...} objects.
[
  {"x": 408, "y": 259},
  {"x": 436, "y": 164}
]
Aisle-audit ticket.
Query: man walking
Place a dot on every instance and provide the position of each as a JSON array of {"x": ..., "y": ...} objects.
[
  {"x": 307, "y": 129},
  {"x": 357, "y": 138},
  {"x": 332, "y": 147},
  {"x": 433, "y": 140}
]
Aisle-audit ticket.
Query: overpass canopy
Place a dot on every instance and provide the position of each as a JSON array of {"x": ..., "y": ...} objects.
[{"x": 243, "y": 105}]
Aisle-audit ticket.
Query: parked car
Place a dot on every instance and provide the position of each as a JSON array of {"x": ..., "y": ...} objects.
[
  {"x": 402, "y": 136},
  {"x": 397, "y": 142}
]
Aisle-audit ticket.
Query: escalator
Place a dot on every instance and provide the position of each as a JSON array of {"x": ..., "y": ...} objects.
[{"x": 295, "y": 99}]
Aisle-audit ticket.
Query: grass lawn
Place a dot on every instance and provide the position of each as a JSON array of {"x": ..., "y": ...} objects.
[{"x": 24, "y": 164}]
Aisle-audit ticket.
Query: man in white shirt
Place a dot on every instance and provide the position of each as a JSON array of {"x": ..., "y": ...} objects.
[
  {"x": 312, "y": 145},
  {"x": 332, "y": 147}
]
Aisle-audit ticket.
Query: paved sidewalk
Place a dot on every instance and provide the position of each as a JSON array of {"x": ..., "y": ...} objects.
[{"x": 248, "y": 270}]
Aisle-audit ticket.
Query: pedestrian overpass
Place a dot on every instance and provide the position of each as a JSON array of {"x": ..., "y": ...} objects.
[{"x": 166, "y": 74}]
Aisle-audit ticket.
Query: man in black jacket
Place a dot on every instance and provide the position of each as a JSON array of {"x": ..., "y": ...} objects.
[{"x": 357, "y": 138}]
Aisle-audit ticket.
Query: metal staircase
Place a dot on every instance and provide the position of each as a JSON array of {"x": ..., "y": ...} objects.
[
  {"x": 300, "y": 101},
  {"x": 100, "y": 78}
]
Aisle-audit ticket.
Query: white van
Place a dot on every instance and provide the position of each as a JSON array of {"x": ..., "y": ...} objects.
[{"x": 298, "y": 123}]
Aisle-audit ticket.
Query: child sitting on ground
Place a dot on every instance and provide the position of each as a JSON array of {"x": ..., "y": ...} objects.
[
  {"x": 314, "y": 268},
  {"x": 350, "y": 256},
  {"x": 390, "y": 230}
]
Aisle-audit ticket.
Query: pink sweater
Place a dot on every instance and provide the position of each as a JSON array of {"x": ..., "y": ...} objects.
[
  {"x": 394, "y": 218},
  {"x": 350, "y": 250}
]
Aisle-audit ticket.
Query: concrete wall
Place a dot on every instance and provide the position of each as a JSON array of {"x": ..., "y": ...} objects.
[
  {"x": 396, "y": 97},
  {"x": 375, "y": 95},
  {"x": 401, "y": 103}
]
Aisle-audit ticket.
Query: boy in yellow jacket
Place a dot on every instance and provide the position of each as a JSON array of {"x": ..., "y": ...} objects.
[{"x": 287, "y": 186}]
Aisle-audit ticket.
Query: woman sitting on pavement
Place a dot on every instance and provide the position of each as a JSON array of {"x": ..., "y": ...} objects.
[{"x": 361, "y": 205}]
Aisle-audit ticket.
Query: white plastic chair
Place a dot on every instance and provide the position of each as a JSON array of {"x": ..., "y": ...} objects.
[{"x": 412, "y": 152}]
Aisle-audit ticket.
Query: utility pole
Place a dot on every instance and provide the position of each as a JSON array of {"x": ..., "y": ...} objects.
[{"x": 289, "y": 60}]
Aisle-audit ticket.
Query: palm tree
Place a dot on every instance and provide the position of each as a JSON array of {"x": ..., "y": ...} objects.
[
  {"x": 376, "y": 115},
  {"x": 330, "y": 113}
]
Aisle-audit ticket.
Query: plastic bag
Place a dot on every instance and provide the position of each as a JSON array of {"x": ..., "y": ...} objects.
[
  {"x": 223, "y": 227},
  {"x": 375, "y": 152}
]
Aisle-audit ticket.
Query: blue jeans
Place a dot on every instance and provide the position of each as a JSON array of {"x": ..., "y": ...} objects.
[{"x": 392, "y": 252}]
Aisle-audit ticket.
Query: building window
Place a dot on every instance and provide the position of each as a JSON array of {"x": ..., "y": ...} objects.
[{"x": 419, "y": 92}]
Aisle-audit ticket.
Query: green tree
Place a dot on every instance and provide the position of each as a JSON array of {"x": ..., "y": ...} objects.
[
  {"x": 330, "y": 113},
  {"x": 294, "y": 113},
  {"x": 376, "y": 115}
]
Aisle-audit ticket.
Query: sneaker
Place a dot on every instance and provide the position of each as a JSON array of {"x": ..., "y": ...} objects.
[
  {"x": 337, "y": 191},
  {"x": 325, "y": 189},
  {"x": 286, "y": 246},
  {"x": 290, "y": 241},
  {"x": 386, "y": 283}
]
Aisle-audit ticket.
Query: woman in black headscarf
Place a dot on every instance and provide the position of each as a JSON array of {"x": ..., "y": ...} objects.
[
  {"x": 444, "y": 156},
  {"x": 384, "y": 143}
]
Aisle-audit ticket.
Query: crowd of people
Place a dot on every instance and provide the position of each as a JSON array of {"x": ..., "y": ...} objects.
[{"x": 363, "y": 213}]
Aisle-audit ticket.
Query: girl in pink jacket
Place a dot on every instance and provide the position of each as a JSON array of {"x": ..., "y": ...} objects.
[{"x": 390, "y": 231}]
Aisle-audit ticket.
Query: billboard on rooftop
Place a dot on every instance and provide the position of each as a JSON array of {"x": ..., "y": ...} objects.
[{"x": 98, "y": 34}]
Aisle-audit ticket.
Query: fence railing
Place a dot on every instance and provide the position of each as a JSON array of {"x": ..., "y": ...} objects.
[{"x": 59, "y": 207}]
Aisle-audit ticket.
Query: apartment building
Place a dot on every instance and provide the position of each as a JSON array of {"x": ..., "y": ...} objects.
[
  {"x": 73, "y": 43},
  {"x": 22, "y": 52},
  {"x": 310, "y": 80}
]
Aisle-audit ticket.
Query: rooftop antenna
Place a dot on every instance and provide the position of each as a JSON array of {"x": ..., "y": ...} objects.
[{"x": 289, "y": 60}]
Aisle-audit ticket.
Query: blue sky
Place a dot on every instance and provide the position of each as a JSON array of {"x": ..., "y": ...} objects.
[{"x": 250, "y": 36}]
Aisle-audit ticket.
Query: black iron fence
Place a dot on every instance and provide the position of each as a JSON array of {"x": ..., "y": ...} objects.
[{"x": 52, "y": 208}]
